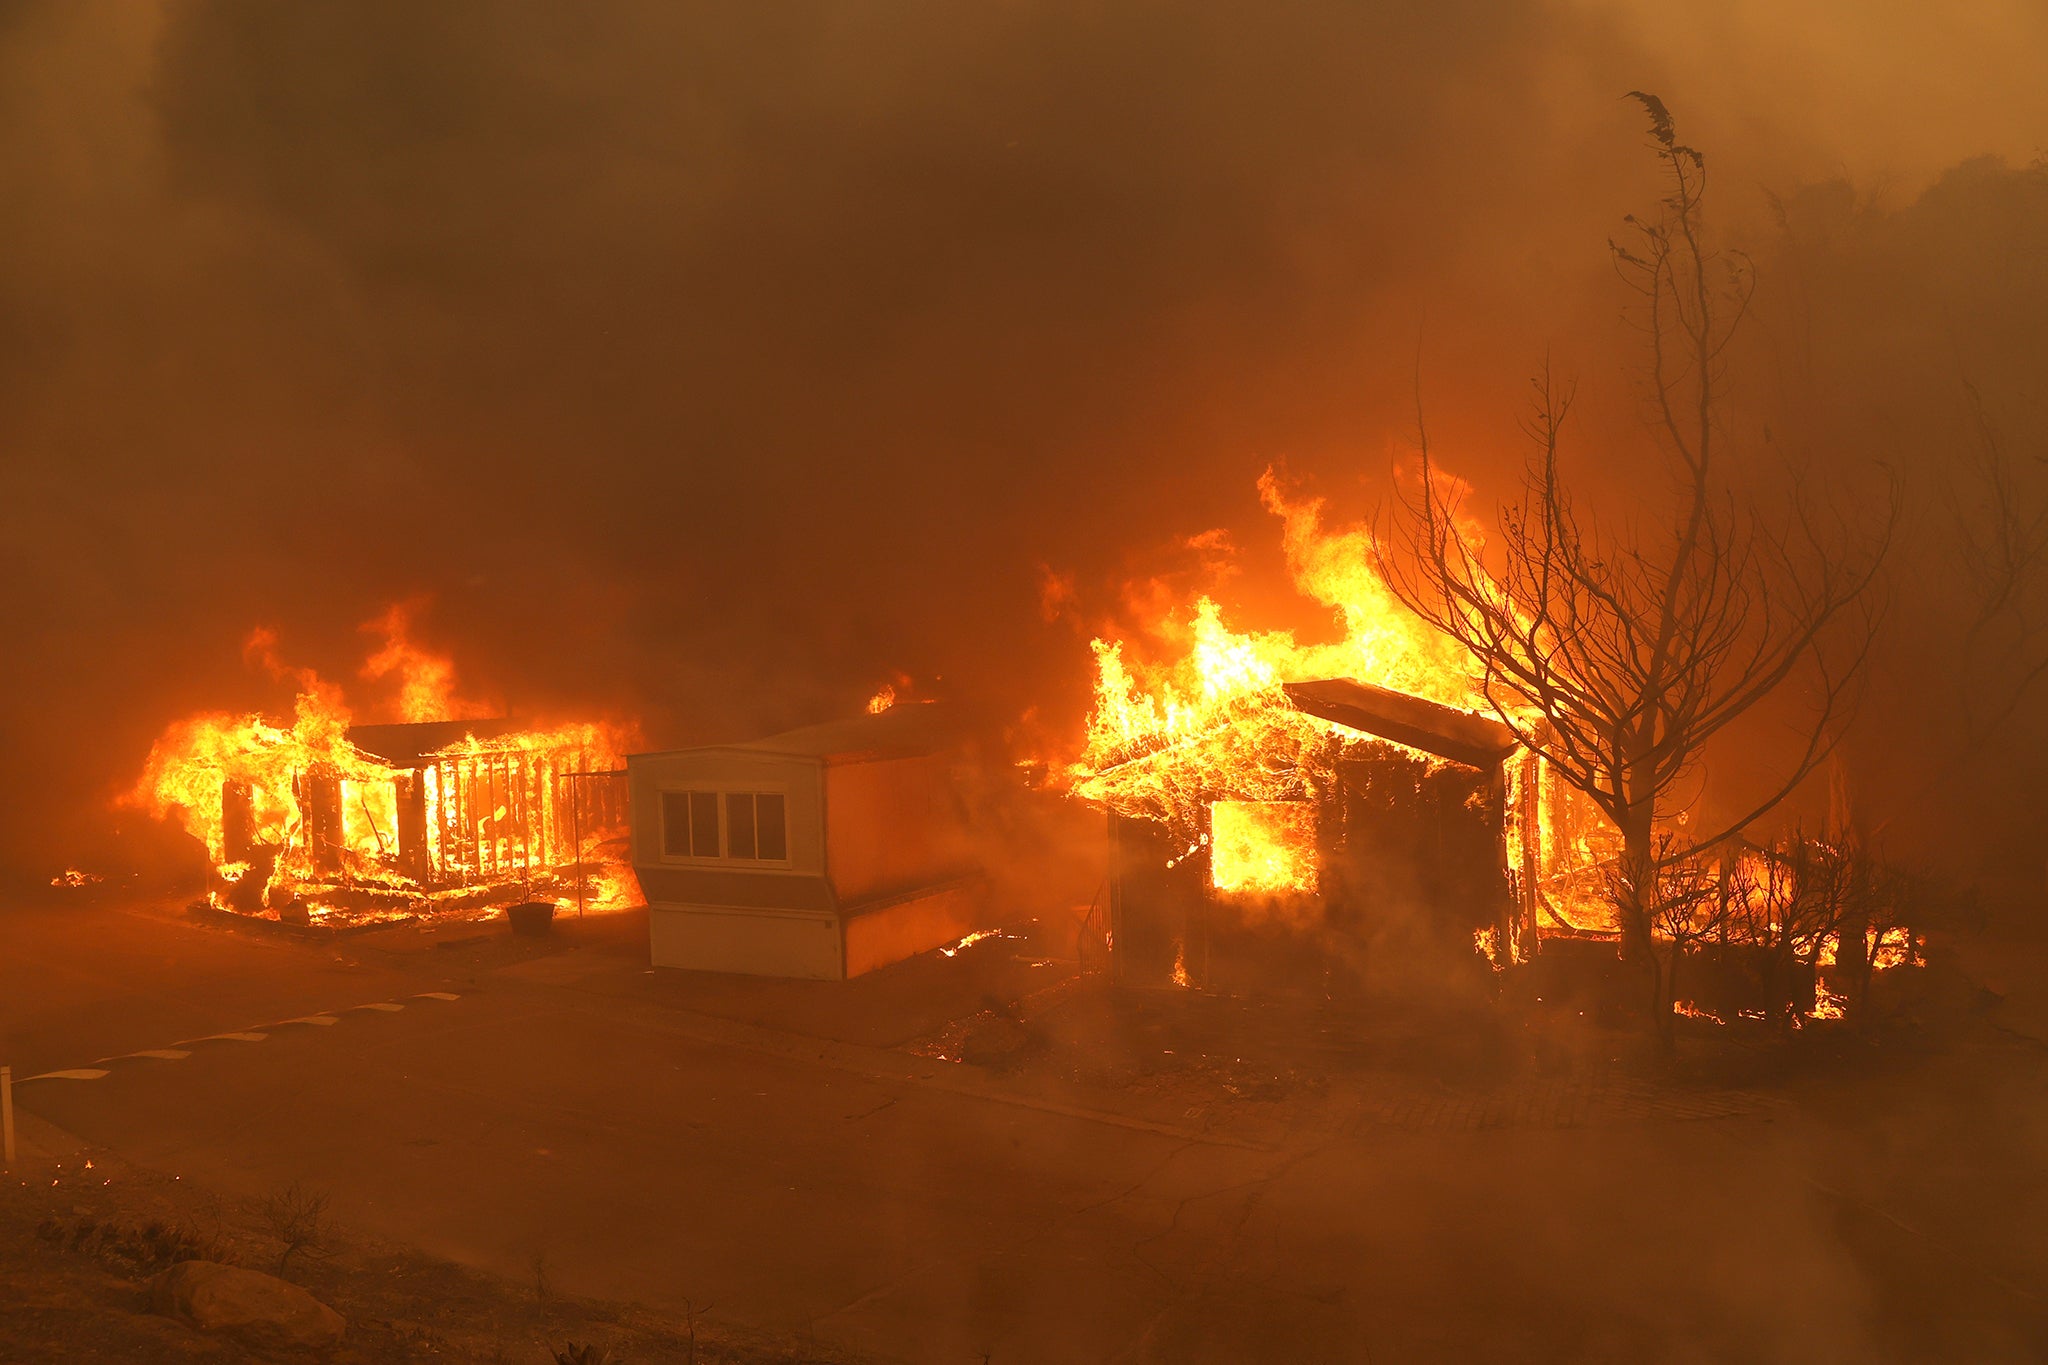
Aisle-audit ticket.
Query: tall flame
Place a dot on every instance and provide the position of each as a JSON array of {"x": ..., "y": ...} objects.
[
  {"x": 426, "y": 680},
  {"x": 1166, "y": 735}
]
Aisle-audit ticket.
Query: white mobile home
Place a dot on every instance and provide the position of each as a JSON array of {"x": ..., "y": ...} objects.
[{"x": 824, "y": 852}]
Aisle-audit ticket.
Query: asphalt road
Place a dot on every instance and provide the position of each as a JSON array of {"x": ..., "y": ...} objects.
[
  {"x": 80, "y": 980},
  {"x": 650, "y": 1151}
]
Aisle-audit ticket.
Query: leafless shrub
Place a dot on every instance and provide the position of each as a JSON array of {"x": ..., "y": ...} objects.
[
  {"x": 1806, "y": 912},
  {"x": 1784, "y": 905},
  {"x": 1878, "y": 900},
  {"x": 133, "y": 1247},
  {"x": 691, "y": 1312},
  {"x": 296, "y": 1217}
]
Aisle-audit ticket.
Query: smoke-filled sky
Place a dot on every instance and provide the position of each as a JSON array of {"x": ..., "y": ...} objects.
[{"x": 710, "y": 364}]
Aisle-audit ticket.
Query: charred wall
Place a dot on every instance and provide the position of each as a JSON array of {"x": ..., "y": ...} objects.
[{"x": 1411, "y": 864}]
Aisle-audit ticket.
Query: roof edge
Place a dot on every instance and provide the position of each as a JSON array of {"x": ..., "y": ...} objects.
[{"x": 1459, "y": 736}]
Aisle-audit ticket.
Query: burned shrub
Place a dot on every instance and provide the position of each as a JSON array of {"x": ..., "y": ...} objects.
[
  {"x": 296, "y": 1218},
  {"x": 132, "y": 1248}
]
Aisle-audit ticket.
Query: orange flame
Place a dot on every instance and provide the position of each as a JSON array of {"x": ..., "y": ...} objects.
[
  {"x": 1688, "y": 1010},
  {"x": 1262, "y": 847},
  {"x": 1206, "y": 721},
  {"x": 303, "y": 809},
  {"x": 1167, "y": 735},
  {"x": 426, "y": 681}
]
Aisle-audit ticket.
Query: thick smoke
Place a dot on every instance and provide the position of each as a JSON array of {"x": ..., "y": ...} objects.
[{"x": 712, "y": 364}]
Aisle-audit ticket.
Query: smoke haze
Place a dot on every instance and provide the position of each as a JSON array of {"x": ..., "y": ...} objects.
[{"x": 712, "y": 365}]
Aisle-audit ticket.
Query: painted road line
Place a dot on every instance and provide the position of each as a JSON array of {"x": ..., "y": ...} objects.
[{"x": 256, "y": 1035}]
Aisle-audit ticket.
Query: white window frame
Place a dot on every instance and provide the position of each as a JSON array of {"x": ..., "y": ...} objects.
[{"x": 721, "y": 794}]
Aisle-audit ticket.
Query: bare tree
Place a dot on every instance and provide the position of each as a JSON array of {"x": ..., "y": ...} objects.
[{"x": 1618, "y": 652}]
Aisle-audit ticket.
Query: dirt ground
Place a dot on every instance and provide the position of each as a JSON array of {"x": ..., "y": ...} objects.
[{"x": 82, "y": 1236}]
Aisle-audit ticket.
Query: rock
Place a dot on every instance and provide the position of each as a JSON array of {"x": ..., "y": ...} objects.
[{"x": 260, "y": 1310}]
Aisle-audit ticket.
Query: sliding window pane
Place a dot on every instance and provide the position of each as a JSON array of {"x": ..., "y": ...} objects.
[
  {"x": 675, "y": 824},
  {"x": 704, "y": 824},
  {"x": 768, "y": 818},
  {"x": 739, "y": 825}
]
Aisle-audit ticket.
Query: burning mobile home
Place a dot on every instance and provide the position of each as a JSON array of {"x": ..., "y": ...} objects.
[
  {"x": 323, "y": 819},
  {"x": 824, "y": 852},
  {"x": 1363, "y": 835},
  {"x": 1288, "y": 813}
]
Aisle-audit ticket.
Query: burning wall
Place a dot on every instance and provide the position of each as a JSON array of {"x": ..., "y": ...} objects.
[
  {"x": 1365, "y": 861},
  {"x": 444, "y": 808},
  {"x": 1248, "y": 753}
]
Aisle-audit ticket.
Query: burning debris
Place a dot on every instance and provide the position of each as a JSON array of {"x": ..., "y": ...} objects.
[
  {"x": 900, "y": 688},
  {"x": 1687, "y": 1009},
  {"x": 446, "y": 810},
  {"x": 969, "y": 940},
  {"x": 72, "y": 879}
]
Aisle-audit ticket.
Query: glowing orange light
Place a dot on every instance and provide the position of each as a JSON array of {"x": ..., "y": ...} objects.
[
  {"x": 300, "y": 808},
  {"x": 1262, "y": 847}
]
